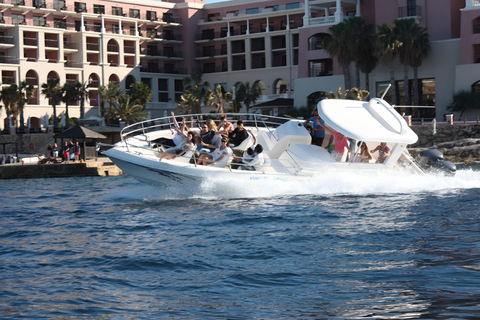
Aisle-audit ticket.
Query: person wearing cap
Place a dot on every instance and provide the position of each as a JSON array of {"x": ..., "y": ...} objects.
[{"x": 318, "y": 130}]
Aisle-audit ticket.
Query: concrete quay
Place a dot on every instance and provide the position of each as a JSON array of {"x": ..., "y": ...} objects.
[{"x": 90, "y": 168}]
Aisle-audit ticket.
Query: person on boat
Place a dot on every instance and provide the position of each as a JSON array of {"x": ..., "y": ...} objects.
[
  {"x": 318, "y": 130},
  {"x": 383, "y": 152},
  {"x": 217, "y": 154},
  {"x": 207, "y": 136},
  {"x": 188, "y": 144},
  {"x": 239, "y": 134},
  {"x": 225, "y": 127},
  {"x": 363, "y": 154},
  {"x": 340, "y": 142},
  {"x": 178, "y": 138},
  {"x": 247, "y": 156},
  {"x": 258, "y": 160}
]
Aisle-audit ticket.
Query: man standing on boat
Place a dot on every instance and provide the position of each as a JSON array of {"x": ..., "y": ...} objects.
[{"x": 318, "y": 130}]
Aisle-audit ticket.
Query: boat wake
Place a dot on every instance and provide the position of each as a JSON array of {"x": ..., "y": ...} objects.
[{"x": 326, "y": 183}]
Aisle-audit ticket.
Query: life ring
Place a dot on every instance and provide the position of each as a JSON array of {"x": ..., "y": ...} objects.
[{"x": 31, "y": 145}]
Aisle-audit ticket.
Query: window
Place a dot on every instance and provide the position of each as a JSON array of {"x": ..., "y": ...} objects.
[
  {"x": 134, "y": 13},
  {"x": 168, "y": 52},
  {"x": 274, "y": 8},
  {"x": 208, "y": 34},
  {"x": 294, "y": 5},
  {"x": 59, "y": 5},
  {"x": 117, "y": 11},
  {"x": 214, "y": 17},
  {"x": 115, "y": 28},
  {"x": 167, "y": 17},
  {"x": 97, "y": 26},
  {"x": 168, "y": 35},
  {"x": 178, "y": 85},
  {"x": 99, "y": 9},
  {"x": 162, "y": 84},
  {"x": 252, "y": 11},
  {"x": 18, "y": 19},
  {"x": 59, "y": 23},
  {"x": 147, "y": 81},
  {"x": 39, "y": 4},
  {"x": 152, "y": 15},
  {"x": 209, "y": 67},
  {"x": 2, "y": 20},
  {"x": 39, "y": 21},
  {"x": 80, "y": 7}
]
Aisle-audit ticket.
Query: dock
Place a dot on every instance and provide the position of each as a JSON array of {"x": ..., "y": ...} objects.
[{"x": 90, "y": 168}]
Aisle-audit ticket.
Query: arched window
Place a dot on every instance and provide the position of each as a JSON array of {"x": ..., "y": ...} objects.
[
  {"x": 476, "y": 86},
  {"x": 114, "y": 78},
  {"x": 31, "y": 78},
  {"x": 262, "y": 89},
  {"x": 94, "y": 82},
  {"x": 129, "y": 81},
  {"x": 280, "y": 86},
  {"x": 53, "y": 75}
]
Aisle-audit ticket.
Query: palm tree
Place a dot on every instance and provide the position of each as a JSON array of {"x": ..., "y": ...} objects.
[
  {"x": 249, "y": 94},
  {"x": 124, "y": 108},
  {"x": 8, "y": 97},
  {"x": 141, "y": 92},
  {"x": 404, "y": 29},
  {"x": 83, "y": 95},
  {"x": 464, "y": 100},
  {"x": 219, "y": 98},
  {"x": 24, "y": 91},
  {"x": 387, "y": 47},
  {"x": 53, "y": 91},
  {"x": 420, "y": 49},
  {"x": 365, "y": 58},
  {"x": 108, "y": 94},
  {"x": 338, "y": 44},
  {"x": 195, "y": 79},
  {"x": 71, "y": 94}
]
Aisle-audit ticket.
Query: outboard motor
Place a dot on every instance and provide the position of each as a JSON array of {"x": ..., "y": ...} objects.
[{"x": 432, "y": 161}]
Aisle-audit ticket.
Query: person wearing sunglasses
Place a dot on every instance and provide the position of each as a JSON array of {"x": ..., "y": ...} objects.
[
  {"x": 207, "y": 136},
  {"x": 238, "y": 135},
  {"x": 217, "y": 155}
]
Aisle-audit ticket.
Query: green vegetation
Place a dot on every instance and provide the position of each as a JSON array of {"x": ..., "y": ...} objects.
[{"x": 464, "y": 100}]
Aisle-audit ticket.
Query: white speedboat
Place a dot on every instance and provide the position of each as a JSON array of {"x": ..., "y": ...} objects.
[{"x": 286, "y": 143}]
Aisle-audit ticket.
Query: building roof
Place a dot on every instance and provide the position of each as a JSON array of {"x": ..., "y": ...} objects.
[{"x": 79, "y": 132}]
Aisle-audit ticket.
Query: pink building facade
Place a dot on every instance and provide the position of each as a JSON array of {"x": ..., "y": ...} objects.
[{"x": 276, "y": 44}]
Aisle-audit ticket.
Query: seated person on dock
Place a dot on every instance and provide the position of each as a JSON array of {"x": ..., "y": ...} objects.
[
  {"x": 188, "y": 144},
  {"x": 238, "y": 134},
  {"x": 217, "y": 155},
  {"x": 383, "y": 152}
]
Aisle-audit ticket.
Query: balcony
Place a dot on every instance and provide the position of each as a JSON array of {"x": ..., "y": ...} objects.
[
  {"x": 410, "y": 12},
  {"x": 8, "y": 59},
  {"x": 73, "y": 64}
]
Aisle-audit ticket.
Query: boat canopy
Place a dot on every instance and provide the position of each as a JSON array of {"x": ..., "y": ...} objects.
[{"x": 373, "y": 120}]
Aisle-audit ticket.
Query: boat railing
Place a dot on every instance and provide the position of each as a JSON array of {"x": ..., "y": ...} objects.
[{"x": 196, "y": 120}]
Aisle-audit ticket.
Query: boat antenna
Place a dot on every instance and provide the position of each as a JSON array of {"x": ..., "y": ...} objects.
[{"x": 386, "y": 90}]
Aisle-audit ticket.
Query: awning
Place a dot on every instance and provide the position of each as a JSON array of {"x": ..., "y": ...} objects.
[{"x": 374, "y": 121}]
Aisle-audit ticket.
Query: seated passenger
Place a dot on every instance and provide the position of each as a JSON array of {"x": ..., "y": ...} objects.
[
  {"x": 383, "y": 152},
  {"x": 225, "y": 127},
  {"x": 247, "y": 156},
  {"x": 217, "y": 155},
  {"x": 238, "y": 134},
  {"x": 178, "y": 138},
  {"x": 207, "y": 136},
  {"x": 339, "y": 144},
  {"x": 188, "y": 144},
  {"x": 363, "y": 154},
  {"x": 258, "y": 160}
]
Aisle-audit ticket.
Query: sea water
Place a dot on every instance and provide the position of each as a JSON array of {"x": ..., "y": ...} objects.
[{"x": 351, "y": 246}]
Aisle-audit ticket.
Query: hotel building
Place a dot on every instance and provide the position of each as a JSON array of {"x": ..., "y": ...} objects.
[{"x": 276, "y": 44}]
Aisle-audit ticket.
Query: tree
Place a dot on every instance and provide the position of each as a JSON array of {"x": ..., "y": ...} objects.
[
  {"x": 23, "y": 92},
  {"x": 141, "y": 92},
  {"x": 365, "y": 57},
  {"x": 339, "y": 44},
  {"x": 71, "y": 94},
  {"x": 53, "y": 91},
  {"x": 464, "y": 100},
  {"x": 249, "y": 94},
  {"x": 404, "y": 28},
  {"x": 8, "y": 96},
  {"x": 124, "y": 108},
  {"x": 195, "y": 79},
  {"x": 196, "y": 91},
  {"x": 108, "y": 94},
  {"x": 350, "y": 94},
  {"x": 420, "y": 49},
  {"x": 219, "y": 98},
  {"x": 83, "y": 95},
  {"x": 387, "y": 46},
  {"x": 191, "y": 100}
]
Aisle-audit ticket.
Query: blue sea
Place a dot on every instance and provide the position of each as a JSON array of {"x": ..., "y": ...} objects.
[{"x": 338, "y": 247}]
